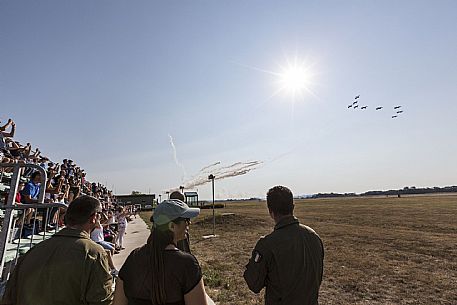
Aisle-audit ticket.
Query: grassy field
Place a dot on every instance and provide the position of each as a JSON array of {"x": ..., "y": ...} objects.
[{"x": 378, "y": 250}]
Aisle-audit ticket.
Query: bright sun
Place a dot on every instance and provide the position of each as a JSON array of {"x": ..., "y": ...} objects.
[{"x": 295, "y": 80}]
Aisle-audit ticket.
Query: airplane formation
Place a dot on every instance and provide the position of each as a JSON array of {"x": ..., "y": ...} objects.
[{"x": 355, "y": 104}]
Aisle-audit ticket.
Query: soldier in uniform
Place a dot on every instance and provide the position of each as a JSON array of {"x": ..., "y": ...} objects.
[
  {"x": 66, "y": 269},
  {"x": 289, "y": 261}
]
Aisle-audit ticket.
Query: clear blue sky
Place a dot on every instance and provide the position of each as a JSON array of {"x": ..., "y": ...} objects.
[{"x": 106, "y": 82}]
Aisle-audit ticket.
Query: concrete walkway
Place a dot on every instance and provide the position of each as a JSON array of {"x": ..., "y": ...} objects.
[{"x": 137, "y": 234}]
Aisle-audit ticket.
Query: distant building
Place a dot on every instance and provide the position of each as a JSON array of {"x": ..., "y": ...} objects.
[
  {"x": 146, "y": 201},
  {"x": 192, "y": 199}
]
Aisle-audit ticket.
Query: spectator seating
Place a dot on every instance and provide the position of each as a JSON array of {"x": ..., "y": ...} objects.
[{"x": 25, "y": 221}]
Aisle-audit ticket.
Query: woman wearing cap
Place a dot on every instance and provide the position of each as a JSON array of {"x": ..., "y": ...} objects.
[{"x": 158, "y": 273}]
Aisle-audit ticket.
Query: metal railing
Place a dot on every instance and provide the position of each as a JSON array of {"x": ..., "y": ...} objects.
[
  {"x": 19, "y": 242},
  {"x": 13, "y": 240}
]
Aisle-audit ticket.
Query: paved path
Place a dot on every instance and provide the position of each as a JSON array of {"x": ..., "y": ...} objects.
[{"x": 137, "y": 234}]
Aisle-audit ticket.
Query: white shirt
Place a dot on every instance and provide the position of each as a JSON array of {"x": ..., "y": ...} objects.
[
  {"x": 111, "y": 220},
  {"x": 97, "y": 234}
]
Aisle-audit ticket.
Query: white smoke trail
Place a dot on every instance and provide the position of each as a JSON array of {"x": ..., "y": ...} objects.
[
  {"x": 226, "y": 171},
  {"x": 209, "y": 166},
  {"x": 175, "y": 157},
  {"x": 222, "y": 172}
]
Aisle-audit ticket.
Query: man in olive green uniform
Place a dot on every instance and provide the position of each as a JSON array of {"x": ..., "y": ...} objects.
[
  {"x": 289, "y": 261},
  {"x": 69, "y": 268}
]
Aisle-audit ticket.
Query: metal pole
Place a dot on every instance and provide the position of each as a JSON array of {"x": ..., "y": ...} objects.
[
  {"x": 214, "y": 217},
  {"x": 211, "y": 177}
]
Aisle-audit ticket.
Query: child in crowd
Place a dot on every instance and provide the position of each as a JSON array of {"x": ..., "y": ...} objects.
[
  {"x": 122, "y": 226},
  {"x": 109, "y": 228},
  {"x": 97, "y": 236},
  {"x": 28, "y": 212}
]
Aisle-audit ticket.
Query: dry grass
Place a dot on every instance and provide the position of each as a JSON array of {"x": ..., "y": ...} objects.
[{"x": 378, "y": 250}]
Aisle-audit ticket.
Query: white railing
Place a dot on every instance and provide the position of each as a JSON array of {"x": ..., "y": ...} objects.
[{"x": 13, "y": 238}]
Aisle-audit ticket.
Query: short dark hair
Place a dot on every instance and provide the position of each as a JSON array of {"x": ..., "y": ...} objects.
[
  {"x": 177, "y": 195},
  {"x": 280, "y": 200},
  {"x": 81, "y": 209},
  {"x": 34, "y": 174}
]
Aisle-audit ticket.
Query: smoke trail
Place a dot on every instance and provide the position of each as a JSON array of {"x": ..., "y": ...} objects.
[
  {"x": 175, "y": 157},
  {"x": 227, "y": 171},
  {"x": 281, "y": 156},
  {"x": 203, "y": 172},
  {"x": 222, "y": 172},
  {"x": 209, "y": 166}
]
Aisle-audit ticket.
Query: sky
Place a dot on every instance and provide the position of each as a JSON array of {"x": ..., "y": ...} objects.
[{"x": 111, "y": 84}]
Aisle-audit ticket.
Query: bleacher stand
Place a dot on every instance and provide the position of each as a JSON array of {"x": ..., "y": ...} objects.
[{"x": 34, "y": 195}]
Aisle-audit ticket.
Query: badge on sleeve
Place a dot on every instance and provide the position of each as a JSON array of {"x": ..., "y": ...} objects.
[{"x": 257, "y": 257}]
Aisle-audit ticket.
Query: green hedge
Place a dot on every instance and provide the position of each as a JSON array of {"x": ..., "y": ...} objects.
[{"x": 210, "y": 206}]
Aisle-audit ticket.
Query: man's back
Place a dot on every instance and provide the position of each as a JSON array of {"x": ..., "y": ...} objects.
[
  {"x": 289, "y": 262},
  {"x": 66, "y": 269}
]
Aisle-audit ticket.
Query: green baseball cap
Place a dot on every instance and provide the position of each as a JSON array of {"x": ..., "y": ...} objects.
[{"x": 169, "y": 210}]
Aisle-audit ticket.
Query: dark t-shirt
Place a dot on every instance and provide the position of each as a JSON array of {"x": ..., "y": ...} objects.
[{"x": 182, "y": 274}]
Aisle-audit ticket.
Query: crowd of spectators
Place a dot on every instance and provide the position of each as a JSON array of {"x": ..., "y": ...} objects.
[{"x": 65, "y": 181}]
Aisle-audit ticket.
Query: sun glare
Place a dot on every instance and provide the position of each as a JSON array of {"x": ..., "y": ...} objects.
[{"x": 294, "y": 80}]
